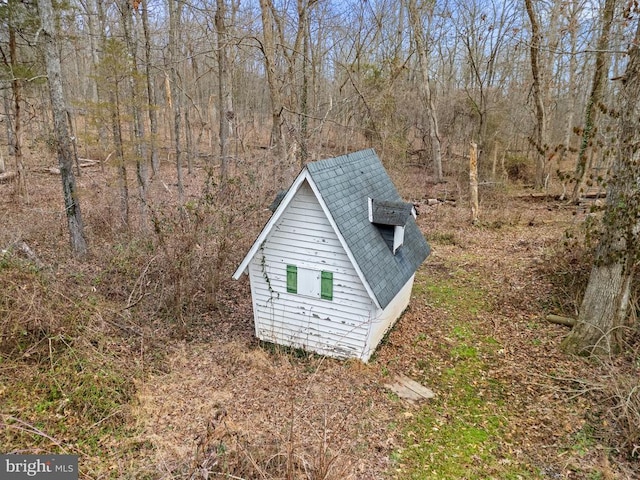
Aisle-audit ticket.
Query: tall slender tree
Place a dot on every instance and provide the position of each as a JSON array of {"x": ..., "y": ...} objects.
[
  {"x": 595, "y": 96},
  {"x": 151, "y": 89},
  {"x": 225, "y": 98},
  {"x": 63, "y": 144},
  {"x": 133, "y": 77},
  {"x": 175, "y": 21},
  {"x": 426, "y": 91},
  {"x": 540, "y": 138},
  {"x": 268, "y": 46}
]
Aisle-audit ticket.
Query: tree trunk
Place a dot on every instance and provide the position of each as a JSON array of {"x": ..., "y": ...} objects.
[
  {"x": 425, "y": 89},
  {"x": 16, "y": 89},
  {"x": 139, "y": 145},
  {"x": 116, "y": 129},
  {"x": 603, "y": 311},
  {"x": 151, "y": 90},
  {"x": 225, "y": 99},
  {"x": 304, "y": 94},
  {"x": 473, "y": 183},
  {"x": 269, "y": 52},
  {"x": 175, "y": 13},
  {"x": 606, "y": 303},
  {"x": 65, "y": 153},
  {"x": 540, "y": 142},
  {"x": 599, "y": 75}
]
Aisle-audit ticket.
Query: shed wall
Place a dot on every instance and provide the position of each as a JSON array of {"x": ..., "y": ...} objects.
[
  {"x": 386, "y": 318},
  {"x": 304, "y": 237}
]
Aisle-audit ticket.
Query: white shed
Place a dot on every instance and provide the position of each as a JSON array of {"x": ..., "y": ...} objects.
[{"x": 333, "y": 268}]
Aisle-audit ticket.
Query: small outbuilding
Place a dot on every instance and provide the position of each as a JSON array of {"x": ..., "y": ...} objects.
[{"x": 333, "y": 268}]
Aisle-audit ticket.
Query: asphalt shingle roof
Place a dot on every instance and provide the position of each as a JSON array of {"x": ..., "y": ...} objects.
[{"x": 345, "y": 184}]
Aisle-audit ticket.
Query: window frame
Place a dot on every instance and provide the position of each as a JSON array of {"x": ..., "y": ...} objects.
[{"x": 322, "y": 290}]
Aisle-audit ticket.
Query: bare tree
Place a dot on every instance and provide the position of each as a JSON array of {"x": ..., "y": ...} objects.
[
  {"x": 225, "y": 98},
  {"x": 65, "y": 151},
  {"x": 483, "y": 29},
  {"x": 422, "y": 50},
  {"x": 540, "y": 138},
  {"x": 151, "y": 89},
  {"x": 268, "y": 46},
  {"x": 175, "y": 19},
  {"x": 595, "y": 96},
  {"x": 16, "y": 16},
  {"x": 139, "y": 147}
]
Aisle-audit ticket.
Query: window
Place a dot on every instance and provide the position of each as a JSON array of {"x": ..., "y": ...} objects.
[{"x": 308, "y": 282}]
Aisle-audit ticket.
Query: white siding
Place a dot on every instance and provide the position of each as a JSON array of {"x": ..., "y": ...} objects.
[
  {"x": 386, "y": 318},
  {"x": 304, "y": 237}
]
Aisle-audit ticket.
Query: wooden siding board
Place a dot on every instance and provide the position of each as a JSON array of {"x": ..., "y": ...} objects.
[
  {"x": 287, "y": 334},
  {"x": 307, "y": 240},
  {"x": 301, "y": 323},
  {"x": 340, "y": 312},
  {"x": 320, "y": 334}
]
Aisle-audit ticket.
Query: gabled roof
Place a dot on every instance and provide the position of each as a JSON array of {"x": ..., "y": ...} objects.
[{"x": 343, "y": 186}]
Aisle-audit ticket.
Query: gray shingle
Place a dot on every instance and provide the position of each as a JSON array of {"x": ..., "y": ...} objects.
[
  {"x": 345, "y": 183},
  {"x": 390, "y": 213}
]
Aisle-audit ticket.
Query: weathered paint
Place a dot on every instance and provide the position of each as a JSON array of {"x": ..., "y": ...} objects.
[
  {"x": 303, "y": 236},
  {"x": 302, "y": 233}
]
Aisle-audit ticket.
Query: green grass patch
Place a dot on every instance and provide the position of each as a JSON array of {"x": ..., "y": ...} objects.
[
  {"x": 460, "y": 291},
  {"x": 460, "y": 433}
]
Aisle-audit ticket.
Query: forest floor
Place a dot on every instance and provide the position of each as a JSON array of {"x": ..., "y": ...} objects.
[{"x": 89, "y": 366}]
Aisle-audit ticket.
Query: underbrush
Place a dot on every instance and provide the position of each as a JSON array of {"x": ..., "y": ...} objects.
[
  {"x": 176, "y": 267},
  {"x": 298, "y": 450},
  {"x": 613, "y": 392},
  {"x": 566, "y": 267},
  {"x": 66, "y": 378}
]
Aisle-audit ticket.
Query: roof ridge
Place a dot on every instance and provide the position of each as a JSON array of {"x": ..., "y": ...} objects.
[{"x": 342, "y": 160}]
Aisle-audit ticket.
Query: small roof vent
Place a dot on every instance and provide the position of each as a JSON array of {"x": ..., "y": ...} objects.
[
  {"x": 390, "y": 218},
  {"x": 389, "y": 213}
]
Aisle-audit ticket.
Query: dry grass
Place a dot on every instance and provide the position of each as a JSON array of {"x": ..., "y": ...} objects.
[{"x": 313, "y": 417}]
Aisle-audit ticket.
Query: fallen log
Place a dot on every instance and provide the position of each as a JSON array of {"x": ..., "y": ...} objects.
[
  {"x": 87, "y": 162},
  {"x": 557, "y": 319}
]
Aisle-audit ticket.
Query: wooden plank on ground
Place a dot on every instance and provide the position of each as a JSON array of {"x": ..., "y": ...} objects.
[{"x": 409, "y": 389}]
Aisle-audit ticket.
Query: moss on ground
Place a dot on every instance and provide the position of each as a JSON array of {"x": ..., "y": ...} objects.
[{"x": 459, "y": 434}]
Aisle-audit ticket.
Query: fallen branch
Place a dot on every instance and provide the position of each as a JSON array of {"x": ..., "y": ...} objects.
[
  {"x": 25, "y": 250},
  {"x": 7, "y": 176},
  {"x": 566, "y": 321},
  {"x": 87, "y": 162},
  {"x": 82, "y": 163}
]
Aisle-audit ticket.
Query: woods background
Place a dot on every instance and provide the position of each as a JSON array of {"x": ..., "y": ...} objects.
[{"x": 177, "y": 81}]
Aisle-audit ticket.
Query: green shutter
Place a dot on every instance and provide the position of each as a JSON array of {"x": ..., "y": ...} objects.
[
  {"x": 326, "y": 286},
  {"x": 292, "y": 279}
]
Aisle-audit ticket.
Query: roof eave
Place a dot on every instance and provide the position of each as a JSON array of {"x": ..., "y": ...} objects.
[{"x": 244, "y": 265}]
